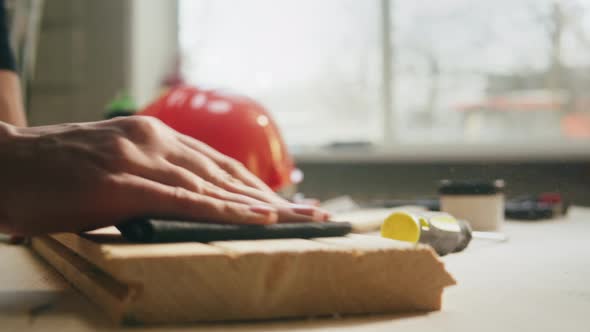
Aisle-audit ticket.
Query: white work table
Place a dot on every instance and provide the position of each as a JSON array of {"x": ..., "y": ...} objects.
[{"x": 537, "y": 281}]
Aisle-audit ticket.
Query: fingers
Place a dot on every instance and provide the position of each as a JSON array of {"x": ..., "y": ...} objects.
[
  {"x": 192, "y": 165},
  {"x": 176, "y": 176},
  {"x": 210, "y": 172},
  {"x": 300, "y": 213},
  {"x": 203, "y": 166},
  {"x": 155, "y": 199},
  {"x": 231, "y": 166}
]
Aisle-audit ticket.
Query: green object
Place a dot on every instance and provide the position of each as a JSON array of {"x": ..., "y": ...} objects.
[{"x": 122, "y": 105}]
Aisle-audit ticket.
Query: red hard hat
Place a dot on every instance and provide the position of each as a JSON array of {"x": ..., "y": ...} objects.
[{"x": 232, "y": 124}]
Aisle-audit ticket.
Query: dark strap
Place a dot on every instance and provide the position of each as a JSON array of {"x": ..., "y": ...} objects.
[
  {"x": 151, "y": 230},
  {"x": 6, "y": 57}
]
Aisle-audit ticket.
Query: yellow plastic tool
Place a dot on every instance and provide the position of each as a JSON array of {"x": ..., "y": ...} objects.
[{"x": 440, "y": 230}]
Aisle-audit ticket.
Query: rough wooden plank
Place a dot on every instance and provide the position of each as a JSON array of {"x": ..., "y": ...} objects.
[
  {"x": 429, "y": 276},
  {"x": 274, "y": 246},
  {"x": 363, "y": 243},
  {"x": 107, "y": 243},
  {"x": 234, "y": 280},
  {"x": 110, "y": 294},
  {"x": 106, "y": 249}
]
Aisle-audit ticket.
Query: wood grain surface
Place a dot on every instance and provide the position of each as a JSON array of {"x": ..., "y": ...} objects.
[{"x": 237, "y": 280}]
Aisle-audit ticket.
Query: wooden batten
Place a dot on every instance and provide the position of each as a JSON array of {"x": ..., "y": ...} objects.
[{"x": 244, "y": 280}]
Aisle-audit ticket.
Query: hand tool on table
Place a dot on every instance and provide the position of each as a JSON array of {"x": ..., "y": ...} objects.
[
  {"x": 154, "y": 230},
  {"x": 535, "y": 207},
  {"x": 527, "y": 207},
  {"x": 441, "y": 231}
]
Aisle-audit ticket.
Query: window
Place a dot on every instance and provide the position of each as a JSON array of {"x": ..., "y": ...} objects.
[{"x": 442, "y": 72}]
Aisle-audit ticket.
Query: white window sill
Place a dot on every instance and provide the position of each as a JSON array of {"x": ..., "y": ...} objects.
[{"x": 432, "y": 153}]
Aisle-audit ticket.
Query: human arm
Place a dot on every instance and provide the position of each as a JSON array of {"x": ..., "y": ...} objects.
[
  {"x": 74, "y": 177},
  {"x": 11, "y": 105}
]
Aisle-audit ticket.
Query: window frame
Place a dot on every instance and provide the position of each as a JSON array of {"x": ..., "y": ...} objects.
[{"x": 391, "y": 149}]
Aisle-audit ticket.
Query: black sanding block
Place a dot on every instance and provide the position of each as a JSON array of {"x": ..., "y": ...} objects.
[{"x": 155, "y": 231}]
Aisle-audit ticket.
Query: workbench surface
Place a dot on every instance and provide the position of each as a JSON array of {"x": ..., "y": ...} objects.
[{"x": 537, "y": 281}]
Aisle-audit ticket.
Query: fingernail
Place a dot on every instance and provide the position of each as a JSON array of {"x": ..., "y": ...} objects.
[
  {"x": 263, "y": 209},
  {"x": 303, "y": 209}
]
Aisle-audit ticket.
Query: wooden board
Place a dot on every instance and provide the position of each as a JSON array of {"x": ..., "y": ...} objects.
[{"x": 244, "y": 280}]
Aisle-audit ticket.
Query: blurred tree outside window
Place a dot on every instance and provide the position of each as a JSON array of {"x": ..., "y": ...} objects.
[{"x": 463, "y": 71}]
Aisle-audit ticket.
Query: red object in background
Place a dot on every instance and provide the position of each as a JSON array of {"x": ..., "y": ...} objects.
[
  {"x": 576, "y": 125},
  {"x": 550, "y": 198},
  {"x": 232, "y": 124}
]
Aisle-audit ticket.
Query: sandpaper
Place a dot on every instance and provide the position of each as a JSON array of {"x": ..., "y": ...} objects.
[{"x": 159, "y": 231}]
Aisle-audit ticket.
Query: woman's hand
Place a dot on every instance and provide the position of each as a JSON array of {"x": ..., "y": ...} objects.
[{"x": 75, "y": 177}]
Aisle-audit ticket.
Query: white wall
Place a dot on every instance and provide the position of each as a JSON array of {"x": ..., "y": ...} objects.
[
  {"x": 154, "y": 46},
  {"x": 89, "y": 50}
]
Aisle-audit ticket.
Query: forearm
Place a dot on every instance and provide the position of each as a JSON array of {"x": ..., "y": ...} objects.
[{"x": 11, "y": 106}]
